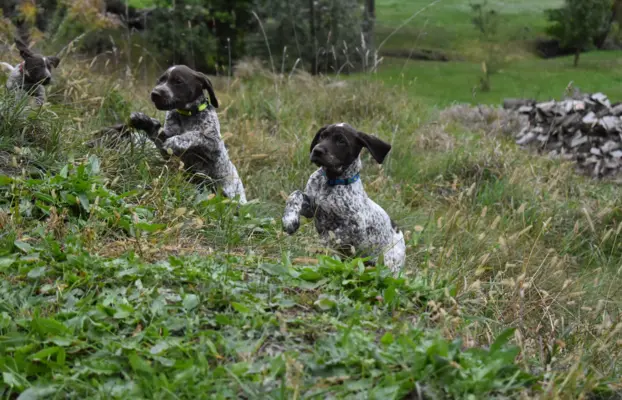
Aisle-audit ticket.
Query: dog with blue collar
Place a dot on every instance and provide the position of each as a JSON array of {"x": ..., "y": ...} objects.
[{"x": 346, "y": 219}]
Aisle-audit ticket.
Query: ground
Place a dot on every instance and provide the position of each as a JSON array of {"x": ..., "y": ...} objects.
[{"x": 118, "y": 279}]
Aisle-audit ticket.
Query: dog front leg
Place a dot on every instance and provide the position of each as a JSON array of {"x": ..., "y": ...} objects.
[
  {"x": 298, "y": 203},
  {"x": 192, "y": 140},
  {"x": 39, "y": 95},
  {"x": 153, "y": 128}
]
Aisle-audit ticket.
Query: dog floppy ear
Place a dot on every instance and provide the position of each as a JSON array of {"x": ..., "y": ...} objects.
[
  {"x": 24, "y": 51},
  {"x": 316, "y": 139},
  {"x": 53, "y": 61},
  {"x": 207, "y": 85},
  {"x": 377, "y": 148}
]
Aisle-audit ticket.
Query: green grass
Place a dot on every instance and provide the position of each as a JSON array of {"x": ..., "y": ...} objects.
[
  {"x": 447, "y": 25},
  {"x": 444, "y": 83},
  {"x": 120, "y": 280}
]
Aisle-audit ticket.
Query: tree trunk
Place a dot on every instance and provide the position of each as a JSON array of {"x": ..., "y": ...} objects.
[
  {"x": 577, "y": 54},
  {"x": 312, "y": 33},
  {"x": 369, "y": 21}
]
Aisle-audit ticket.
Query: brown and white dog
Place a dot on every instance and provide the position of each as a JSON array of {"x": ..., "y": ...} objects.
[
  {"x": 191, "y": 130},
  {"x": 345, "y": 218}
]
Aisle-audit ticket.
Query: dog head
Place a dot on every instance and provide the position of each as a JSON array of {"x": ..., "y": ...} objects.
[
  {"x": 336, "y": 147},
  {"x": 180, "y": 86},
  {"x": 37, "y": 68}
]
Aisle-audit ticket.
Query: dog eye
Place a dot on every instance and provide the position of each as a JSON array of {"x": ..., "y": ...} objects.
[{"x": 341, "y": 141}]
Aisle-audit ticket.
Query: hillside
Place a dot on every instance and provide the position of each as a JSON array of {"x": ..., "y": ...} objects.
[{"x": 119, "y": 279}]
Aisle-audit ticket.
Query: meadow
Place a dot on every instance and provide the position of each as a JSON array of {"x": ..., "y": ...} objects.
[
  {"x": 446, "y": 27},
  {"x": 118, "y": 279}
]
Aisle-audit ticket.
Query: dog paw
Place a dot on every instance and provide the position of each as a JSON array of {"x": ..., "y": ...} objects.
[
  {"x": 142, "y": 122},
  {"x": 290, "y": 223},
  {"x": 177, "y": 145}
]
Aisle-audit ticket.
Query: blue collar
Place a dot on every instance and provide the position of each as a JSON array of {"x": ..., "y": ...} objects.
[{"x": 341, "y": 182}]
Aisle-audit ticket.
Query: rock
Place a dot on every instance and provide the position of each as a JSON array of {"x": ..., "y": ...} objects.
[
  {"x": 585, "y": 129},
  {"x": 578, "y": 140},
  {"x": 525, "y": 109},
  {"x": 616, "y": 154},
  {"x": 610, "y": 124},
  {"x": 612, "y": 163},
  {"x": 570, "y": 121},
  {"x": 590, "y": 119},
  {"x": 528, "y": 138},
  {"x": 617, "y": 110},
  {"x": 601, "y": 99},
  {"x": 546, "y": 108},
  {"x": 517, "y": 104},
  {"x": 543, "y": 138},
  {"x": 609, "y": 146}
]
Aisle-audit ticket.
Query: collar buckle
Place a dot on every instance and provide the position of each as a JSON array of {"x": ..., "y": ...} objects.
[{"x": 188, "y": 113}]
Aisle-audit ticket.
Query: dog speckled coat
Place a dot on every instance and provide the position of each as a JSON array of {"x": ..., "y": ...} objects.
[
  {"x": 32, "y": 75},
  {"x": 345, "y": 218},
  {"x": 191, "y": 130}
]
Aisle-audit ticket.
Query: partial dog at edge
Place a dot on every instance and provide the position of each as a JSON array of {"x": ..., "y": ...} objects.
[
  {"x": 191, "y": 130},
  {"x": 345, "y": 218},
  {"x": 31, "y": 75}
]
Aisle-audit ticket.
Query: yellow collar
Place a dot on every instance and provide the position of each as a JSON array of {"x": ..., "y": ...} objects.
[{"x": 187, "y": 113}]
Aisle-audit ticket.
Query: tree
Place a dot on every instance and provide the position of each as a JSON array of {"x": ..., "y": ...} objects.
[
  {"x": 486, "y": 21},
  {"x": 369, "y": 21},
  {"x": 578, "y": 23}
]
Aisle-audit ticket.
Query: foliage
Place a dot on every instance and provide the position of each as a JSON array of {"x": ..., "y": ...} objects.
[
  {"x": 204, "y": 34},
  {"x": 77, "y": 193},
  {"x": 578, "y": 23},
  {"x": 330, "y": 42},
  {"x": 223, "y": 327},
  {"x": 85, "y": 22}
]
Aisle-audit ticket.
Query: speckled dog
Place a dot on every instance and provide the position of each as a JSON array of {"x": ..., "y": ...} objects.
[
  {"x": 31, "y": 75},
  {"x": 345, "y": 218},
  {"x": 192, "y": 130}
]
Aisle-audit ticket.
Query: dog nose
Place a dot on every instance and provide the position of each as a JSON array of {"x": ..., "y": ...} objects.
[
  {"x": 317, "y": 153},
  {"x": 156, "y": 95}
]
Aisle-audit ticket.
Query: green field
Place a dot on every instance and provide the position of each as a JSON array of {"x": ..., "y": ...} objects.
[
  {"x": 444, "y": 83},
  {"x": 446, "y": 26}
]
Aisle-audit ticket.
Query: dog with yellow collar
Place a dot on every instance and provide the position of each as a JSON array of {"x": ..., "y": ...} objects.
[{"x": 191, "y": 130}]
